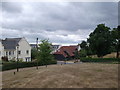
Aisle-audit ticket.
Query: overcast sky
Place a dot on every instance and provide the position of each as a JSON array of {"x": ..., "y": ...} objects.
[{"x": 61, "y": 22}]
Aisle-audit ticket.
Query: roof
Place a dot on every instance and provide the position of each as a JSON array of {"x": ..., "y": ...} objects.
[
  {"x": 66, "y": 50},
  {"x": 10, "y": 43},
  {"x": 33, "y": 45},
  {"x": 55, "y": 45}
]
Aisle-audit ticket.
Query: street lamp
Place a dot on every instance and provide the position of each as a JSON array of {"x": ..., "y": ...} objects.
[
  {"x": 17, "y": 58},
  {"x": 37, "y": 51}
]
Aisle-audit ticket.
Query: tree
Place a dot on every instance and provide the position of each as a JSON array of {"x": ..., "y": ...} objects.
[
  {"x": 34, "y": 53},
  {"x": 85, "y": 49},
  {"x": 100, "y": 40},
  {"x": 83, "y": 53},
  {"x": 83, "y": 45},
  {"x": 116, "y": 39},
  {"x": 44, "y": 51}
]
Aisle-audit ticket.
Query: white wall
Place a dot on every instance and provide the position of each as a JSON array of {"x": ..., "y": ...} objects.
[
  {"x": 23, "y": 47},
  {"x": 12, "y": 56},
  {"x": 79, "y": 48},
  {"x": 1, "y": 50}
]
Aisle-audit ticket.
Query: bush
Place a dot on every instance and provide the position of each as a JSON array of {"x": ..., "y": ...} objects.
[
  {"x": 5, "y": 58},
  {"x": 13, "y": 65},
  {"x": 100, "y": 59}
]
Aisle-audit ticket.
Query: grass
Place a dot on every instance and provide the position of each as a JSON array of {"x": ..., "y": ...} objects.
[
  {"x": 111, "y": 55},
  {"x": 85, "y": 75}
]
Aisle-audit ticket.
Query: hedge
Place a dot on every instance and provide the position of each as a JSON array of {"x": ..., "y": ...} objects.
[
  {"x": 13, "y": 65},
  {"x": 100, "y": 59}
]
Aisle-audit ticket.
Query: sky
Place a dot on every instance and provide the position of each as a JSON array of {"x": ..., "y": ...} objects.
[{"x": 64, "y": 23}]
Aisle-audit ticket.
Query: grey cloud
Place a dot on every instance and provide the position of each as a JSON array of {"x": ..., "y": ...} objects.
[
  {"x": 57, "y": 21},
  {"x": 11, "y": 7},
  {"x": 70, "y": 17}
]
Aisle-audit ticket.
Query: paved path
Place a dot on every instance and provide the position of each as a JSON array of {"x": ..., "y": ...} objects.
[{"x": 68, "y": 62}]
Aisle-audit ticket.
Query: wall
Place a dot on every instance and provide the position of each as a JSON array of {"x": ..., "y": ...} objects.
[
  {"x": 23, "y": 47},
  {"x": 1, "y": 50},
  {"x": 12, "y": 56}
]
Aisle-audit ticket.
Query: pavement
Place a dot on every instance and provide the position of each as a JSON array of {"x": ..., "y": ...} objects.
[{"x": 68, "y": 62}]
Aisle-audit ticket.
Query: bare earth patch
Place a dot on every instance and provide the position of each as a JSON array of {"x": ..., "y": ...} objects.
[{"x": 84, "y": 75}]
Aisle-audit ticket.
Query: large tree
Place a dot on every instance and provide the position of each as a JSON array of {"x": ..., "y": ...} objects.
[
  {"x": 85, "y": 49},
  {"x": 116, "y": 39},
  {"x": 34, "y": 53},
  {"x": 44, "y": 51},
  {"x": 100, "y": 40},
  {"x": 83, "y": 45}
]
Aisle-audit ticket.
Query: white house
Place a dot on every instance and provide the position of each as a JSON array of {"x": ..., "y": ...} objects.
[
  {"x": 1, "y": 49},
  {"x": 15, "y": 48},
  {"x": 55, "y": 48}
]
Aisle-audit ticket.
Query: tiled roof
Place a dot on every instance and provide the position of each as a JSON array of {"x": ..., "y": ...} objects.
[
  {"x": 66, "y": 50},
  {"x": 10, "y": 43}
]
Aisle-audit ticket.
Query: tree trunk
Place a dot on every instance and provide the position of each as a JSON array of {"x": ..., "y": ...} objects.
[
  {"x": 118, "y": 49},
  {"x": 117, "y": 55}
]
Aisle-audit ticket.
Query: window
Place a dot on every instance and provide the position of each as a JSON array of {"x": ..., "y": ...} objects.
[
  {"x": 27, "y": 51},
  {"x": 13, "y": 52},
  {"x": 19, "y": 52},
  {"x": 9, "y": 52},
  {"x": 6, "y": 53}
]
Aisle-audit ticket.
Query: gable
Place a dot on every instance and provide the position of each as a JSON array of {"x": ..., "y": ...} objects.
[{"x": 23, "y": 43}]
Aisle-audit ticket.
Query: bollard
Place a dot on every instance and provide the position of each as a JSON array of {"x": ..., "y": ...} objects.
[{"x": 14, "y": 73}]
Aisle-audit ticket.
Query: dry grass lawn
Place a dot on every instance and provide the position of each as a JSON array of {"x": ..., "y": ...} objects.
[{"x": 84, "y": 75}]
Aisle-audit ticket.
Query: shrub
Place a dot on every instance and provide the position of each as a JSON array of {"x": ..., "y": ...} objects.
[
  {"x": 100, "y": 59},
  {"x": 13, "y": 65},
  {"x": 5, "y": 58}
]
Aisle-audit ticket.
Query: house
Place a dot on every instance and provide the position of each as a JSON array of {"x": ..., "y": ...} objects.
[
  {"x": 14, "y": 48},
  {"x": 55, "y": 48},
  {"x": 1, "y": 49},
  {"x": 33, "y": 45},
  {"x": 66, "y": 52}
]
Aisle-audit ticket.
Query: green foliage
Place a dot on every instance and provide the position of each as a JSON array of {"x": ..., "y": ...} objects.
[
  {"x": 77, "y": 54},
  {"x": 34, "y": 53},
  {"x": 5, "y": 58},
  {"x": 85, "y": 49},
  {"x": 12, "y": 60},
  {"x": 116, "y": 40},
  {"x": 83, "y": 45},
  {"x": 13, "y": 65},
  {"x": 108, "y": 60},
  {"x": 100, "y": 40},
  {"x": 44, "y": 51},
  {"x": 83, "y": 53},
  {"x": 20, "y": 59}
]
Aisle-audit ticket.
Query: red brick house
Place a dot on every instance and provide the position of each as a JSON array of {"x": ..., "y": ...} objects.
[{"x": 66, "y": 52}]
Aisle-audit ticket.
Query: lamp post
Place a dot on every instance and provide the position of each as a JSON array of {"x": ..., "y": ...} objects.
[
  {"x": 17, "y": 59},
  {"x": 37, "y": 51}
]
